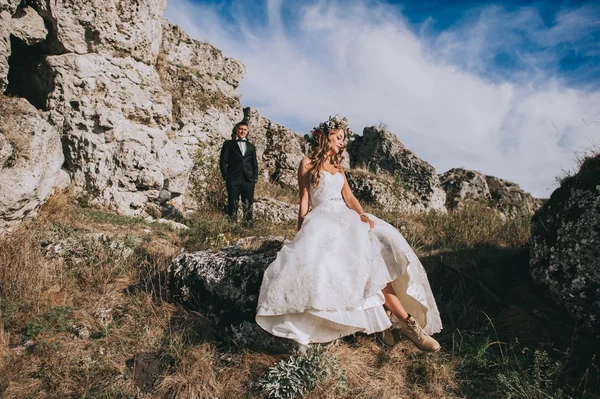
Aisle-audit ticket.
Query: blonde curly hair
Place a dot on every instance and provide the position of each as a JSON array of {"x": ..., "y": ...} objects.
[{"x": 319, "y": 146}]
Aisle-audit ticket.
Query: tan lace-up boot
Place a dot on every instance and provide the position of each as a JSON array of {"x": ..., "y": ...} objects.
[{"x": 413, "y": 331}]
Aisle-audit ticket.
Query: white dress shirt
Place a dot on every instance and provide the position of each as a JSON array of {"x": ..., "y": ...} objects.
[{"x": 242, "y": 145}]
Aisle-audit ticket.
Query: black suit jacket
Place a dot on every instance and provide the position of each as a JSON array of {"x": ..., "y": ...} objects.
[{"x": 236, "y": 167}]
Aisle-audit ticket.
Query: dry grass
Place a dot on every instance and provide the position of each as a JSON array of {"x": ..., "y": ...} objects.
[
  {"x": 193, "y": 376},
  {"x": 24, "y": 274},
  {"x": 213, "y": 229},
  {"x": 153, "y": 348},
  {"x": 267, "y": 189},
  {"x": 374, "y": 371},
  {"x": 473, "y": 226},
  {"x": 4, "y": 344}
]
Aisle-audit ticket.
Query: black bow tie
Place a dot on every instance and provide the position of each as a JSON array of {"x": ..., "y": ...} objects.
[{"x": 241, "y": 139}]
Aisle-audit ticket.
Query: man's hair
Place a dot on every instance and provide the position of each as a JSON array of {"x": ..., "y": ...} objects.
[{"x": 235, "y": 127}]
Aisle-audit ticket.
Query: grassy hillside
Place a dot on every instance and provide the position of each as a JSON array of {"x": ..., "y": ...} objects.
[{"x": 85, "y": 312}]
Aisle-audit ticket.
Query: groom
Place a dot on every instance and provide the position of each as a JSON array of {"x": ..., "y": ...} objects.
[{"x": 239, "y": 168}]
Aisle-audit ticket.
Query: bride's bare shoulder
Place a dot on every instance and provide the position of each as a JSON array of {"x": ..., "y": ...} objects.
[{"x": 305, "y": 163}]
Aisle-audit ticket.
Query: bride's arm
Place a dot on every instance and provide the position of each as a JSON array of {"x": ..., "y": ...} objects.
[
  {"x": 303, "y": 182},
  {"x": 352, "y": 202}
]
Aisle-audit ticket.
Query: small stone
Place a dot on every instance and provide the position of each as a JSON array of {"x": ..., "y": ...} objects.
[
  {"x": 80, "y": 332},
  {"x": 104, "y": 316},
  {"x": 173, "y": 224}
]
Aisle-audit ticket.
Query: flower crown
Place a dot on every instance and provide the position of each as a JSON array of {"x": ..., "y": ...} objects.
[{"x": 333, "y": 123}]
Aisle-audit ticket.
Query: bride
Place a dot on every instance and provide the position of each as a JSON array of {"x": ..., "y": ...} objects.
[{"x": 343, "y": 265}]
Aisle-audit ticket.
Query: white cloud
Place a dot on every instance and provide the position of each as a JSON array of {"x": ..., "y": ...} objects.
[{"x": 364, "y": 61}]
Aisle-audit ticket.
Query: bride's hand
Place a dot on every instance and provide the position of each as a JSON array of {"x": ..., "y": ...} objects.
[{"x": 365, "y": 219}]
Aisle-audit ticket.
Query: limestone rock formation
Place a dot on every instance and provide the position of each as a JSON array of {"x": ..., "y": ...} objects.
[
  {"x": 274, "y": 211},
  {"x": 17, "y": 26},
  {"x": 114, "y": 116},
  {"x": 30, "y": 160},
  {"x": 463, "y": 186},
  {"x": 83, "y": 248},
  {"x": 132, "y": 121},
  {"x": 380, "y": 151},
  {"x": 565, "y": 244},
  {"x": 278, "y": 148},
  {"x": 28, "y": 26},
  {"x": 202, "y": 83},
  {"x": 224, "y": 284},
  {"x": 382, "y": 192},
  {"x": 509, "y": 199},
  {"x": 9, "y": 5},
  {"x": 117, "y": 28}
]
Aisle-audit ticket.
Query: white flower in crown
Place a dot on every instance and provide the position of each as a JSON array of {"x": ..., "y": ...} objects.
[{"x": 333, "y": 123}]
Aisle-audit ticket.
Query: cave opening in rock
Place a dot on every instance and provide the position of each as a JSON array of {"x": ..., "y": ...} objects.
[{"x": 28, "y": 74}]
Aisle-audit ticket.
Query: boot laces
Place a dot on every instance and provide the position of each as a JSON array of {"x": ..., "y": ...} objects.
[{"x": 416, "y": 328}]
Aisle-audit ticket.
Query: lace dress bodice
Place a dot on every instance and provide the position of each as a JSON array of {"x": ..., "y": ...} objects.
[{"x": 329, "y": 191}]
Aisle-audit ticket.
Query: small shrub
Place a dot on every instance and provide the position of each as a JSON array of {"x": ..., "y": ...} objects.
[
  {"x": 507, "y": 370},
  {"x": 296, "y": 376},
  {"x": 540, "y": 379},
  {"x": 206, "y": 182},
  {"x": 54, "y": 321}
]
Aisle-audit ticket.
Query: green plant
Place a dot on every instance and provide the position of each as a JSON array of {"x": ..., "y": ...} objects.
[
  {"x": 539, "y": 378},
  {"x": 54, "y": 321},
  {"x": 297, "y": 375},
  {"x": 208, "y": 187}
]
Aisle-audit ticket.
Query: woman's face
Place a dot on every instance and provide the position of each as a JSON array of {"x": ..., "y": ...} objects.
[{"x": 336, "y": 141}]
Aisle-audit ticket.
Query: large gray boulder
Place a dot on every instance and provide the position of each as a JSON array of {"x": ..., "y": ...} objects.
[
  {"x": 565, "y": 244},
  {"x": 118, "y": 28},
  {"x": 30, "y": 161},
  {"x": 115, "y": 116},
  {"x": 381, "y": 152},
  {"x": 224, "y": 285}
]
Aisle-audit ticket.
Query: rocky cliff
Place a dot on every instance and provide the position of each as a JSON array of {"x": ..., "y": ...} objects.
[{"x": 380, "y": 151}]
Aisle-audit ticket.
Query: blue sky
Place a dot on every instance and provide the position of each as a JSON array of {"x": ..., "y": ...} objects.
[{"x": 511, "y": 89}]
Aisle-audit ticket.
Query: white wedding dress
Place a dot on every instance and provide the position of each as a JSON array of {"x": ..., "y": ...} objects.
[{"x": 326, "y": 283}]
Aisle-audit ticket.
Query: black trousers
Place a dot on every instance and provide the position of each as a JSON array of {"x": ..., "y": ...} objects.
[{"x": 235, "y": 189}]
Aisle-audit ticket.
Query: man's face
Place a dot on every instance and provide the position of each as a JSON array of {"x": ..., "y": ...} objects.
[{"x": 242, "y": 131}]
